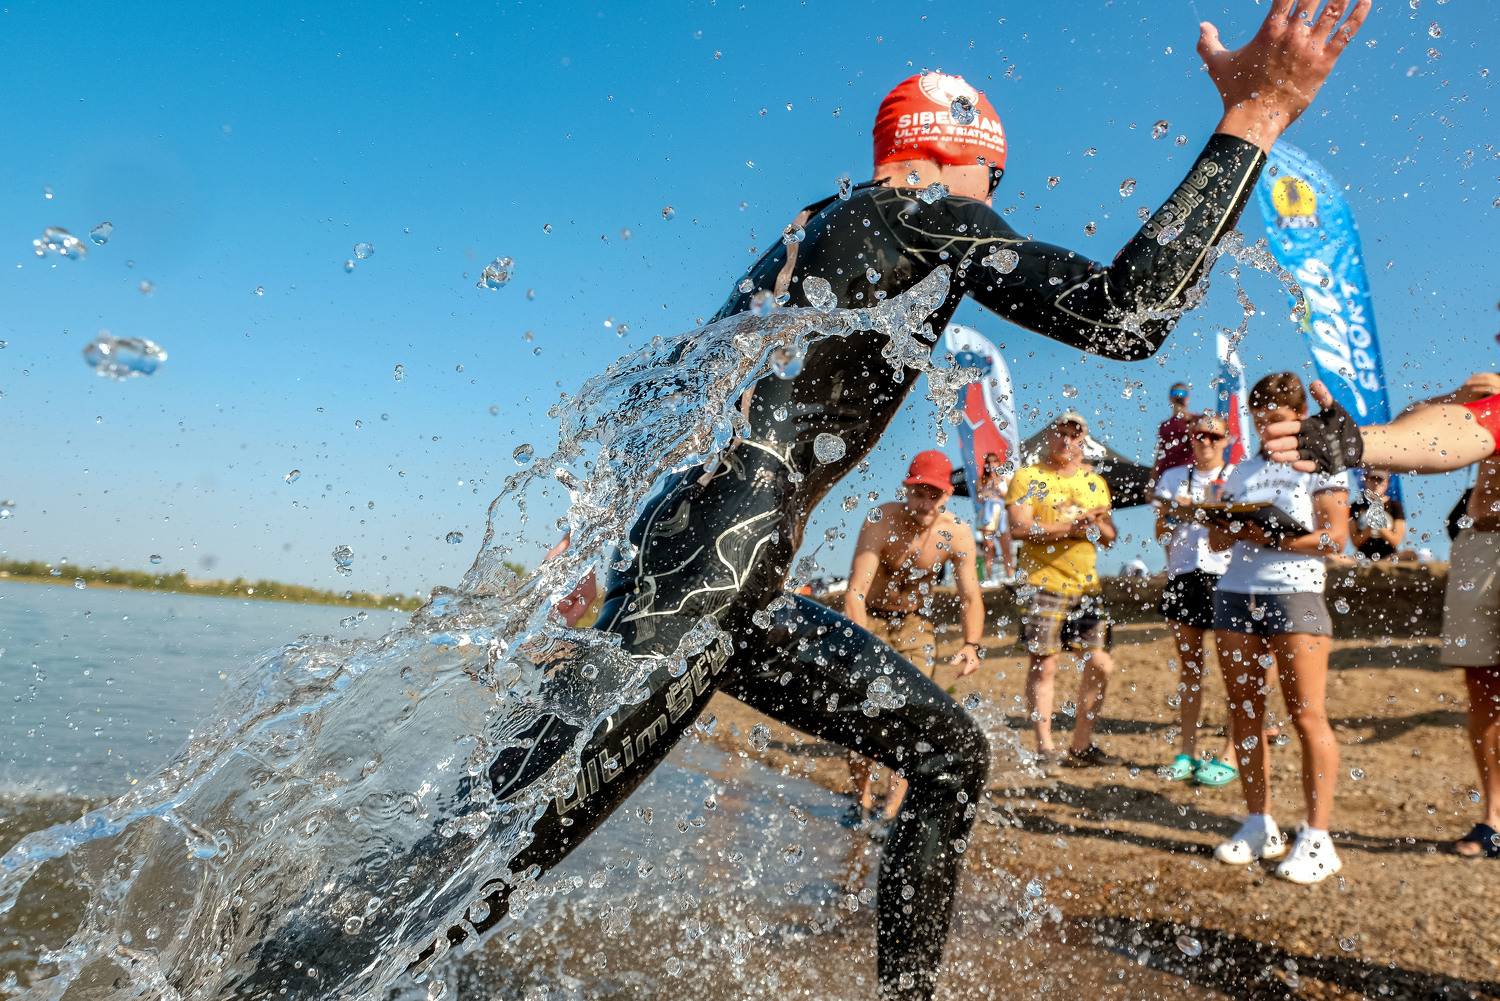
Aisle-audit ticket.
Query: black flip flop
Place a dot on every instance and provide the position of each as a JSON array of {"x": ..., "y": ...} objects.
[{"x": 1485, "y": 837}]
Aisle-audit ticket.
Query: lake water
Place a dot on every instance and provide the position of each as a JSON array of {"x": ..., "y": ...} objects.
[{"x": 718, "y": 880}]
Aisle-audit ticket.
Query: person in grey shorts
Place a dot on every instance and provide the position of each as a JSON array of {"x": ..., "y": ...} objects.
[{"x": 1269, "y": 609}]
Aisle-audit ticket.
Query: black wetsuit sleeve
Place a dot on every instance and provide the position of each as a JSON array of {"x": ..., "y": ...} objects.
[{"x": 1126, "y": 309}]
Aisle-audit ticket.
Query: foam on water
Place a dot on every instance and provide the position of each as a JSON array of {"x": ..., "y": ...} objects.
[{"x": 341, "y": 797}]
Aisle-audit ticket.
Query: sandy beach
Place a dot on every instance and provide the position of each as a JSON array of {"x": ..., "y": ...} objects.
[{"x": 1127, "y": 856}]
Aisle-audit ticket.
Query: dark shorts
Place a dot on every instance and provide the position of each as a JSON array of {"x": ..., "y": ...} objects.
[
  {"x": 1188, "y": 598},
  {"x": 1055, "y": 622},
  {"x": 1271, "y": 614}
]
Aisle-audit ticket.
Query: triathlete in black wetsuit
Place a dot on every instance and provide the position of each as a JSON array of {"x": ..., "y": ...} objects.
[{"x": 718, "y": 540}]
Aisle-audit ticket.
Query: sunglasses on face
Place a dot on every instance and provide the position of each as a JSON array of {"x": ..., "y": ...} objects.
[
  {"x": 1208, "y": 436},
  {"x": 996, "y": 173}
]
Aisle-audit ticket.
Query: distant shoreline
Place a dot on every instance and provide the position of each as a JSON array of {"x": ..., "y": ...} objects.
[{"x": 180, "y": 583}]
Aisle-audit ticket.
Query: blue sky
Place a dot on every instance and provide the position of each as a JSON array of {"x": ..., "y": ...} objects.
[{"x": 238, "y": 148}]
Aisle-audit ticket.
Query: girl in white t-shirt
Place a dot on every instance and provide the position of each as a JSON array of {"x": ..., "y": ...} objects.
[
  {"x": 1270, "y": 604},
  {"x": 1187, "y": 602}
]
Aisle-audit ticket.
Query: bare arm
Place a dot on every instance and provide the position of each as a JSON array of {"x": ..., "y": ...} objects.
[
  {"x": 1025, "y": 526},
  {"x": 1104, "y": 521},
  {"x": 862, "y": 573},
  {"x": 1432, "y": 438},
  {"x": 1331, "y": 512},
  {"x": 970, "y": 600}
]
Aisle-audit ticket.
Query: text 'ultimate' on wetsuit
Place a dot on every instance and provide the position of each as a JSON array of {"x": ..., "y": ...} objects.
[{"x": 718, "y": 540}]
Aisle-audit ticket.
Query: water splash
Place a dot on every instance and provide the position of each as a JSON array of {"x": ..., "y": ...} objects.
[
  {"x": 56, "y": 240},
  {"x": 340, "y": 797},
  {"x": 122, "y": 358}
]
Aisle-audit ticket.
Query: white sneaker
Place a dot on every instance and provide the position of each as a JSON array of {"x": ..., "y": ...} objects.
[
  {"x": 1312, "y": 860},
  {"x": 1251, "y": 842}
]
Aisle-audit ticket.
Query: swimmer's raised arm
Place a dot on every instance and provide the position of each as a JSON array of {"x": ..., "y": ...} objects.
[{"x": 1126, "y": 309}]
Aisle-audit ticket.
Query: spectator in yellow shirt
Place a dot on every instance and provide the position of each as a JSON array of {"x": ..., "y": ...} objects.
[{"x": 1060, "y": 510}]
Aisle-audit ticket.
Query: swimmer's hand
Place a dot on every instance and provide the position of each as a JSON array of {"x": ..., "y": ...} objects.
[
  {"x": 1326, "y": 442},
  {"x": 1273, "y": 78}
]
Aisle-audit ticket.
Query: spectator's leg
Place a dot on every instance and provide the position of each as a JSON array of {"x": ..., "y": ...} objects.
[
  {"x": 1190, "y": 655},
  {"x": 860, "y": 768},
  {"x": 1040, "y": 681},
  {"x": 1484, "y": 737},
  {"x": 1098, "y": 665},
  {"x": 1244, "y": 679},
  {"x": 1302, "y": 661}
]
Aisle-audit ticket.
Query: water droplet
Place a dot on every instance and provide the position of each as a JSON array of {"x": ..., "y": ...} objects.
[
  {"x": 349, "y": 266},
  {"x": 80, "y": 583},
  {"x": 971, "y": 701},
  {"x": 828, "y": 447},
  {"x": 1069, "y": 391},
  {"x": 399, "y": 372},
  {"x": 792, "y": 854},
  {"x": 1357, "y": 774},
  {"x": 872, "y": 276},
  {"x": 343, "y": 560},
  {"x": 56, "y": 240},
  {"x": 353, "y": 924},
  {"x": 47, "y": 194},
  {"x": 1348, "y": 943},
  {"x": 1053, "y": 181},
  {"x": 1180, "y": 141},
  {"x": 1341, "y": 606},
  {"x": 1127, "y": 187},
  {"x": 496, "y": 274},
  {"x": 145, "y": 287},
  {"x": 762, "y": 302},
  {"x": 962, "y": 110},
  {"x": 760, "y": 737},
  {"x": 453, "y": 538},
  {"x": 122, "y": 358},
  {"x": 668, "y": 213},
  {"x": 364, "y": 251},
  {"x": 786, "y": 361},
  {"x": 1002, "y": 259},
  {"x": 260, "y": 290},
  {"x": 100, "y": 234},
  {"x": 819, "y": 292},
  {"x": 913, "y": 178},
  {"x": 1143, "y": 213},
  {"x": 1034, "y": 889},
  {"x": 793, "y": 234},
  {"x": 155, "y": 559},
  {"x": 746, "y": 285},
  {"x": 1089, "y": 228},
  {"x": 1189, "y": 946},
  {"x": 522, "y": 454},
  {"x": 293, "y": 476},
  {"x": 1435, "y": 30},
  {"x": 1091, "y": 151},
  {"x": 1160, "y": 128},
  {"x": 846, "y": 186}
]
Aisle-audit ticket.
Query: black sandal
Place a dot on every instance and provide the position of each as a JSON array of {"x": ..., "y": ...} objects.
[{"x": 1486, "y": 837}]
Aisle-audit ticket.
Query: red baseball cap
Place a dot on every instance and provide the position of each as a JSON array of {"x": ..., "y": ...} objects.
[
  {"x": 936, "y": 116},
  {"x": 930, "y": 468}
]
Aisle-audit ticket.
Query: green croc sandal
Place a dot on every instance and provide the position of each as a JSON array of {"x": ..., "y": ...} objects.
[
  {"x": 1214, "y": 773},
  {"x": 1182, "y": 768}
]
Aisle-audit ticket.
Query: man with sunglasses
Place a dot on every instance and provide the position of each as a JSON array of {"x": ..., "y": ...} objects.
[{"x": 1060, "y": 510}]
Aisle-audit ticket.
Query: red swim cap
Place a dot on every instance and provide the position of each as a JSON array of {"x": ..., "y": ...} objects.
[{"x": 934, "y": 116}]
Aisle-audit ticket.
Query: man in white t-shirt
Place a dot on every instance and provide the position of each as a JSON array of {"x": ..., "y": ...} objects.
[{"x": 1187, "y": 601}]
